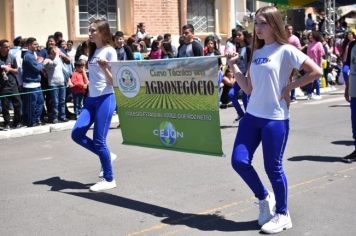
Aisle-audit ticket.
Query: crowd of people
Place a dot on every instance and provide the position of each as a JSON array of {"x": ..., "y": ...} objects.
[{"x": 37, "y": 83}]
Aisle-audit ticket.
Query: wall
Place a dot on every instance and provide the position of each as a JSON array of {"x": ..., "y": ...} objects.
[
  {"x": 5, "y": 20},
  {"x": 160, "y": 16},
  {"x": 36, "y": 19}
]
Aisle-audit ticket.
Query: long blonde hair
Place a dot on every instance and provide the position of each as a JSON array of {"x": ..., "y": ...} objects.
[
  {"x": 104, "y": 29},
  {"x": 274, "y": 19}
]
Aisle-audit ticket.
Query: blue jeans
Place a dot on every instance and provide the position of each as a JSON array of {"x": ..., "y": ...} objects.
[
  {"x": 58, "y": 94},
  {"x": 316, "y": 83},
  {"x": 78, "y": 103},
  {"x": 32, "y": 105},
  {"x": 97, "y": 110},
  {"x": 274, "y": 135}
]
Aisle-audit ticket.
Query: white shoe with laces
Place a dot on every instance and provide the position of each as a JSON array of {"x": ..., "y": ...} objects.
[
  {"x": 277, "y": 224},
  {"x": 266, "y": 209},
  {"x": 113, "y": 157},
  {"x": 103, "y": 185}
]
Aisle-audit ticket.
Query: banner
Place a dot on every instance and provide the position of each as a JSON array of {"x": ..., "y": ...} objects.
[{"x": 170, "y": 104}]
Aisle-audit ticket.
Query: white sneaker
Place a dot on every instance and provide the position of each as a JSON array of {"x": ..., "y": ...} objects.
[
  {"x": 113, "y": 157},
  {"x": 316, "y": 97},
  {"x": 277, "y": 224},
  {"x": 103, "y": 185},
  {"x": 266, "y": 209}
]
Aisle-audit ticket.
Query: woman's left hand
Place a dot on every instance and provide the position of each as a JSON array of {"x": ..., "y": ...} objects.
[{"x": 286, "y": 95}]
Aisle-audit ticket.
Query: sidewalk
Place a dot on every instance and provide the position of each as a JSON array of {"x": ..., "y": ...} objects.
[{"x": 47, "y": 128}]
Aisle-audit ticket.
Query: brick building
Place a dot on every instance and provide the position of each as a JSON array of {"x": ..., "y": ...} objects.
[{"x": 40, "y": 18}]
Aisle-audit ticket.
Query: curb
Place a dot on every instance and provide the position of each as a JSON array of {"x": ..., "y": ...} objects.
[{"x": 48, "y": 128}]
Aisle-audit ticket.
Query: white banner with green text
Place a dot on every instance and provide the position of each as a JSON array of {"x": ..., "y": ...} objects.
[{"x": 169, "y": 104}]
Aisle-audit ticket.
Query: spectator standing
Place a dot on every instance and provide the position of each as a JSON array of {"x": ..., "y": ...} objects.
[
  {"x": 71, "y": 52},
  {"x": 244, "y": 51},
  {"x": 136, "y": 48},
  {"x": 53, "y": 66},
  {"x": 190, "y": 47},
  {"x": 31, "y": 74},
  {"x": 124, "y": 52},
  {"x": 167, "y": 37},
  {"x": 316, "y": 52},
  {"x": 8, "y": 86},
  {"x": 141, "y": 32},
  {"x": 156, "y": 51},
  {"x": 309, "y": 23},
  {"x": 292, "y": 40},
  {"x": 346, "y": 52}
]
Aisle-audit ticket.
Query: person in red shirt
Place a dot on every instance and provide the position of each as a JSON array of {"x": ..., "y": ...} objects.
[{"x": 79, "y": 85}]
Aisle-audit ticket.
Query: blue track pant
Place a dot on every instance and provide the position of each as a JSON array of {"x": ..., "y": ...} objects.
[
  {"x": 273, "y": 134},
  {"x": 97, "y": 110}
]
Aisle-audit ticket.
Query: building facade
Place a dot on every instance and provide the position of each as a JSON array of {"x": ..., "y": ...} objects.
[{"x": 40, "y": 18}]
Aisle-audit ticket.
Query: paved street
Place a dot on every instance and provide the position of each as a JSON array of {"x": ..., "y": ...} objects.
[{"x": 45, "y": 180}]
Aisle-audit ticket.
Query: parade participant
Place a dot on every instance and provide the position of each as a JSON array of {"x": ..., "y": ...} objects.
[
  {"x": 267, "y": 116},
  {"x": 100, "y": 104},
  {"x": 350, "y": 96}
]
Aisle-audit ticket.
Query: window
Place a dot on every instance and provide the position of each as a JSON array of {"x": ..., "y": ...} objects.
[
  {"x": 200, "y": 13},
  {"x": 90, "y": 10}
]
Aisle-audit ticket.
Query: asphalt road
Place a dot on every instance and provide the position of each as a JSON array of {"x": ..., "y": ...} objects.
[{"x": 45, "y": 180}]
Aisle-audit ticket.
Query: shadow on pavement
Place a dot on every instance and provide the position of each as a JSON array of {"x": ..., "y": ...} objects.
[
  {"x": 340, "y": 105},
  {"x": 316, "y": 158},
  {"x": 206, "y": 222},
  {"x": 344, "y": 142},
  {"x": 228, "y": 126}
]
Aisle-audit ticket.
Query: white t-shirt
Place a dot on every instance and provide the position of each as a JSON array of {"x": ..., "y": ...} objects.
[
  {"x": 98, "y": 84},
  {"x": 270, "y": 70}
]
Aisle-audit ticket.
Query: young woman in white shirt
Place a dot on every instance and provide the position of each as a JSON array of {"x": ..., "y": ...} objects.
[
  {"x": 100, "y": 104},
  {"x": 267, "y": 116}
]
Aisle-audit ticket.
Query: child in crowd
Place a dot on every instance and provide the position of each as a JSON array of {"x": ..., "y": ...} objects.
[
  {"x": 156, "y": 51},
  {"x": 136, "y": 48},
  {"x": 79, "y": 85}
]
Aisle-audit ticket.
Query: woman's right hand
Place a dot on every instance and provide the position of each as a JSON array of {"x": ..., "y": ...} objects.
[{"x": 231, "y": 58}]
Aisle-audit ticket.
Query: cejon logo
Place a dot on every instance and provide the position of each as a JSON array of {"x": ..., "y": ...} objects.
[
  {"x": 128, "y": 81},
  {"x": 167, "y": 133}
]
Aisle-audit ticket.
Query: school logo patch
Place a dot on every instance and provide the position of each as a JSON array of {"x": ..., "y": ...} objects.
[{"x": 128, "y": 81}]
